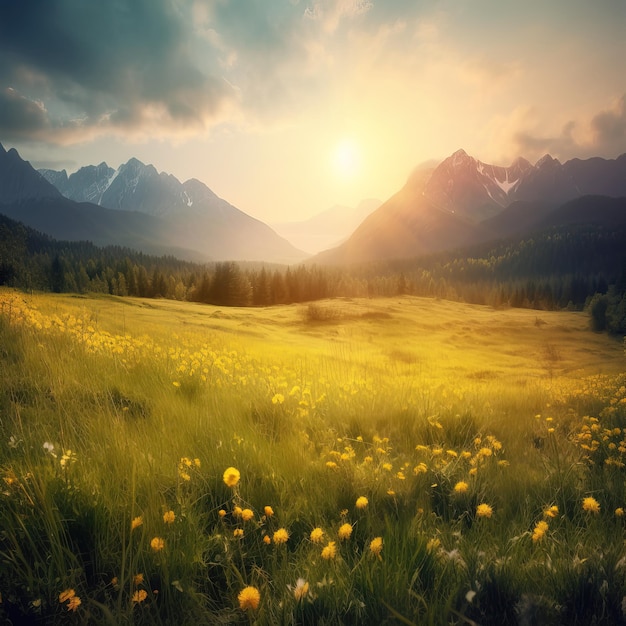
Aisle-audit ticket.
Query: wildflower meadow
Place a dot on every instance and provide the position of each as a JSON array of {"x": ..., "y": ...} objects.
[{"x": 392, "y": 461}]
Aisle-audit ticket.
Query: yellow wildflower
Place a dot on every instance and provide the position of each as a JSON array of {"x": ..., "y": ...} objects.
[
  {"x": 66, "y": 595},
  {"x": 591, "y": 505},
  {"x": 137, "y": 579},
  {"x": 484, "y": 510},
  {"x": 222, "y": 513},
  {"x": 331, "y": 465},
  {"x": 619, "y": 512},
  {"x": 169, "y": 517},
  {"x": 139, "y": 596},
  {"x": 269, "y": 511},
  {"x": 362, "y": 502},
  {"x": 317, "y": 535},
  {"x": 74, "y": 603},
  {"x": 329, "y": 551},
  {"x": 238, "y": 533},
  {"x": 433, "y": 545},
  {"x": 247, "y": 515},
  {"x": 281, "y": 536},
  {"x": 301, "y": 589},
  {"x": 231, "y": 476},
  {"x": 237, "y": 511},
  {"x": 420, "y": 468},
  {"x": 376, "y": 546},
  {"x": 552, "y": 511},
  {"x": 461, "y": 487},
  {"x": 249, "y": 598},
  {"x": 345, "y": 531},
  {"x": 267, "y": 540},
  {"x": 136, "y": 523},
  {"x": 540, "y": 530},
  {"x": 157, "y": 544}
]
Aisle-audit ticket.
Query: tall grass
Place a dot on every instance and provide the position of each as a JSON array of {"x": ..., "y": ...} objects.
[{"x": 396, "y": 419}]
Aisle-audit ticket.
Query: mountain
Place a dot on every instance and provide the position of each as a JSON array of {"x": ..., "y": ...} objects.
[
  {"x": 187, "y": 217},
  {"x": 326, "y": 229},
  {"x": 19, "y": 183},
  {"x": 465, "y": 201}
]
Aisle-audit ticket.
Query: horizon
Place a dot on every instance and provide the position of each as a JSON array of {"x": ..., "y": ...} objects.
[{"x": 287, "y": 109}]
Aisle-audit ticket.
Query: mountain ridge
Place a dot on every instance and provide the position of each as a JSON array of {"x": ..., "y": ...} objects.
[
  {"x": 155, "y": 212},
  {"x": 465, "y": 201}
]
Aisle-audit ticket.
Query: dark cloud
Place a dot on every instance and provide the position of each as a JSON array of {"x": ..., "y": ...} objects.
[
  {"x": 607, "y": 137},
  {"x": 20, "y": 117},
  {"x": 559, "y": 145},
  {"x": 105, "y": 64},
  {"x": 609, "y": 127}
]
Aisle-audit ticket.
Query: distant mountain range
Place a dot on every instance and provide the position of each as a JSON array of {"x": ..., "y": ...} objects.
[
  {"x": 136, "y": 207},
  {"x": 327, "y": 229},
  {"x": 460, "y": 202},
  {"x": 464, "y": 201}
]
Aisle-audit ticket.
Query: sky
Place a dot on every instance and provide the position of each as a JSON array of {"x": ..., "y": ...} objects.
[{"x": 286, "y": 108}]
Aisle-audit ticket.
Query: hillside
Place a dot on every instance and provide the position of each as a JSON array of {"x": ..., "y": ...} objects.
[
  {"x": 146, "y": 211},
  {"x": 465, "y": 201}
]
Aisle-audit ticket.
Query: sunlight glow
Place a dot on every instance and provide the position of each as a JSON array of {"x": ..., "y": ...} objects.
[{"x": 347, "y": 158}]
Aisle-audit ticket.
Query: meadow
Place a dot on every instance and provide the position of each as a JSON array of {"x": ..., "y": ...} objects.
[{"x": 352, "y": 461}]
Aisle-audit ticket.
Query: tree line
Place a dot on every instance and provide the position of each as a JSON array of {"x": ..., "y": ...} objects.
[{"x": 558, "y": 268}]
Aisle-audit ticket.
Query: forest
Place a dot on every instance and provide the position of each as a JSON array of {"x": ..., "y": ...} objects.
[{"x": 562, "y": 267}]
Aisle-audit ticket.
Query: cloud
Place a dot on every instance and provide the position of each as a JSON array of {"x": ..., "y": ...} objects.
[
  {"x": 21, "y": 117},
  {"x": 601, "y": 134},
  {"x": 103, "y": 67},
  {"x": 609, "y": 127}
]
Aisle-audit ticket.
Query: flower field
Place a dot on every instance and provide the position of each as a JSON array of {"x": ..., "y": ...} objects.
[{"x": 385, "y": 461}]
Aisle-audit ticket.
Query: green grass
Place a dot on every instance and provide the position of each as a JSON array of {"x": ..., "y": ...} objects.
[{"x": 397, "y": 400}]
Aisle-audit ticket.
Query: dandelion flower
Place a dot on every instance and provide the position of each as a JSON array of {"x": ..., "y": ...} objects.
[
  {"x": 157, "y": 544},
  {"x": 139, "y": 596},
  {"x": 249, "y": 598},
  {"x": 317, "y": 535},
  {"x": 247, "y": 515},
  {"x": 269, "y": 511},
  {"x": 267, "y": 540},
  {"x": 222, "y": 513},
  {"x": 484, "y": 510},
  {"x": 66, "y": 595},
  {"x": 329, "y": 551},
  {"x": 619, "y": 512},
  {"x": 281, "y": 536},
  {"x": 376, "y": 546},
  {"x": 238, "y": 533},
  {"x": 331, "y": 465},
  {"x": 137, "y": 579},
  {"x": 461, "y": 487},
  {"x": 74, "y": 603},
  {"x": 362, "y": 502},
  {"x": 237, "y": 511},
  {"x": 301, "y": 589},
  {"x": 552, "y": 511},
  {"x": 540, "y": 530},
  {"x": 345, "y": 530},
  {"x": 169, "y": 517},
  {"x": 231, "y": 476},
  {"x": 278, "y": 398},
  {"x": 433, "y": 545},
  {"x": 591, "y": 505},
  {"x": 136, "y": 523}
]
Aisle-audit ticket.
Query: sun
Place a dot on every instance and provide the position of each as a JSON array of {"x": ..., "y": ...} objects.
[{"x": 346, "y": 158}]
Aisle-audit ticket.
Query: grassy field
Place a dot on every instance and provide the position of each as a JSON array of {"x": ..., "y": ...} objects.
[{"x": 388, "y": 461}]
